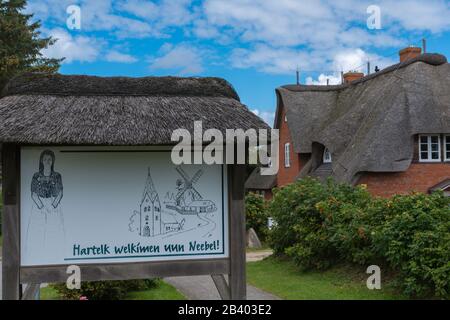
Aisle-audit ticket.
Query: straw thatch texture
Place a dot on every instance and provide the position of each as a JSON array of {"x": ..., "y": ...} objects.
[
  {"x": 369, "y": 125},
  {"x": 42, "y": 109},
  {"x": 256, "y": 181}
]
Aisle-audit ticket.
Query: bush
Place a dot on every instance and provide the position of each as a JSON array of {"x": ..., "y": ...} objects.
[
  {"x": 298, "y": 231},
  {"x": 415, "y": 240},
  {"x": 104, "y": 290},
  {"x": 256, "y": 214},
  {"x": 318, "y": 225},
  {"x": 353, "y": 217}
]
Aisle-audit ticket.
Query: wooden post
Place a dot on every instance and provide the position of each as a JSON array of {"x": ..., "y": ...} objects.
[
  {"x": 237, "y": 276},
  {"x": 221, "y": 285},
  {"x": 11, "y": 222},
  {"x": 31, "y": 292}
]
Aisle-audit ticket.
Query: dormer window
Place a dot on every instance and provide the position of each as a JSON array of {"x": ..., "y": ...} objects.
[
  {"x": 430, "y": 148},
  {"x": 444, "y": 186},
  {"x": 326, "y": 156},
  {"x": 447, "y": 147}
]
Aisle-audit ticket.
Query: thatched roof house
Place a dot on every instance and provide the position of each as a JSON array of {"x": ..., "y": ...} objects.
[
  {"x": 368, "y": 125},
  {"x": 258, "y": 182},
  {"x": 88, "y": 110}
]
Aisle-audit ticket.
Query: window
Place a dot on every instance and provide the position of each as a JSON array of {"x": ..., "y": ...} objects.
[
  {"x": 429, "y": 148},
  {"x": 447, "y": 147},
  {"x": 287, "y": 155},
  {"x": 285, "y": 118},
  {"x": 326, "y": 156}
]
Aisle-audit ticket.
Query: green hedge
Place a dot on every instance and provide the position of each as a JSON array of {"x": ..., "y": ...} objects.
[
  {"x": 104, "y": 290},
  {"x": 256, "y": 214},
  {"x": 318, "y": 225}
]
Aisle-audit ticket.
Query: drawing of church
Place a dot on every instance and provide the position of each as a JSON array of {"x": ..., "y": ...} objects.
[{"x": 150, "y": 210}]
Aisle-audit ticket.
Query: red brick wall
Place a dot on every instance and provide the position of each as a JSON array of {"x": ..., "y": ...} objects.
[
  {"x": 287, "y": 175},
  {"x": 419, "y": 177}
]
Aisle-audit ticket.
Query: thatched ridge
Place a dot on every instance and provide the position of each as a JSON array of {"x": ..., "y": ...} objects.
[
  {"x": 81, "y": 85},
  {"x": 432, "y": 59},
  {"x": 87, "y": 110}
]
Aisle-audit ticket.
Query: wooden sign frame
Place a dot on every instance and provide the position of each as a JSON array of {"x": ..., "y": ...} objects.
[{"x": 13, "y": 275}]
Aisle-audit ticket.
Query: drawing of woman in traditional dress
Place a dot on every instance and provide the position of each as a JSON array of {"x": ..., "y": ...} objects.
[{"x": 45, "y": 230}]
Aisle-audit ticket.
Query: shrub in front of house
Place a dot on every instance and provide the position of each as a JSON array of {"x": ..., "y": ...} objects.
[
  {"x": 104, "y": 290},
  {"x": 256, "y": 214},
  {"x": 299, "y": 229},
  {"x": 415, "y": 241},
  {"x": 352, "y": 217},
  {"x": 318, "y": 225}
]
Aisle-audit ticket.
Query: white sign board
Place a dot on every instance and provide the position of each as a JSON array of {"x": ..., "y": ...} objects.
[{"x": 82, "y": 205}]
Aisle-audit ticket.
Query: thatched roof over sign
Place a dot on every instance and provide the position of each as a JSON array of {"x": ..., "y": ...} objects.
[
  {"x": 61, "y": 109},
  {"x": 256, "y": 181},
  {"x": 369, "y": 125}
]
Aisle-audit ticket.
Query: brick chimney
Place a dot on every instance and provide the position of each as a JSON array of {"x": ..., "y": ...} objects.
[
  {"x": 352, "y": 76},
  {"x": 409, "y": 53}
]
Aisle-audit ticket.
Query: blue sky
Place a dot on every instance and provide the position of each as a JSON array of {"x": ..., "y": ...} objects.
[{"x": 257, "y": 45}]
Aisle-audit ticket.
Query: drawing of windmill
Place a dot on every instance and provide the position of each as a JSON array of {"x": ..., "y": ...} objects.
[{"x": 188, "y": 200}]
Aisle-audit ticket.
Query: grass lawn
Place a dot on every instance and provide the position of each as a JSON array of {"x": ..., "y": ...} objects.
[
  {"x": 48, "y": 293},
  {"x": 283, "y": 279},
  {"x": 163, "y": 291}
]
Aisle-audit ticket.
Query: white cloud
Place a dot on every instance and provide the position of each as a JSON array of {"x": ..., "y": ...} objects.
[
  {"x": 277, "y": 36},
  {"x": 432, "y": 15},
  {"x": 282, "y": 60},
  {"x": 115, "y": 56},
  {"x": 350, "y": 60},
  {"x": 322, "y": 80},
  {"x": 183, "y": 59},
  {"x": 139, "y": 8},
  {"x": 356, "y": 60},
  {"x": 281, "y": 22},
  {"x": 176, "y": 13},
  {"x": 73, "y": 48},
  {"x": 272, "y": 36},
  {"x": 124, "y": 18},
  {"x": 267, "y": 116},
  {"x": 286, "y": 60}
]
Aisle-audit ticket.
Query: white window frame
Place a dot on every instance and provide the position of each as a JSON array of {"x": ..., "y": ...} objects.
[
  {"x": 287, "y": 155},
  {"x": 429, "y": 152},
  {"x": 446, "y": 149},
  {"x": 326, "y": 158}
]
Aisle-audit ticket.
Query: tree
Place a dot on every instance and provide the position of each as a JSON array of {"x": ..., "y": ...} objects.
[{"x": 21, "y": 44}]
